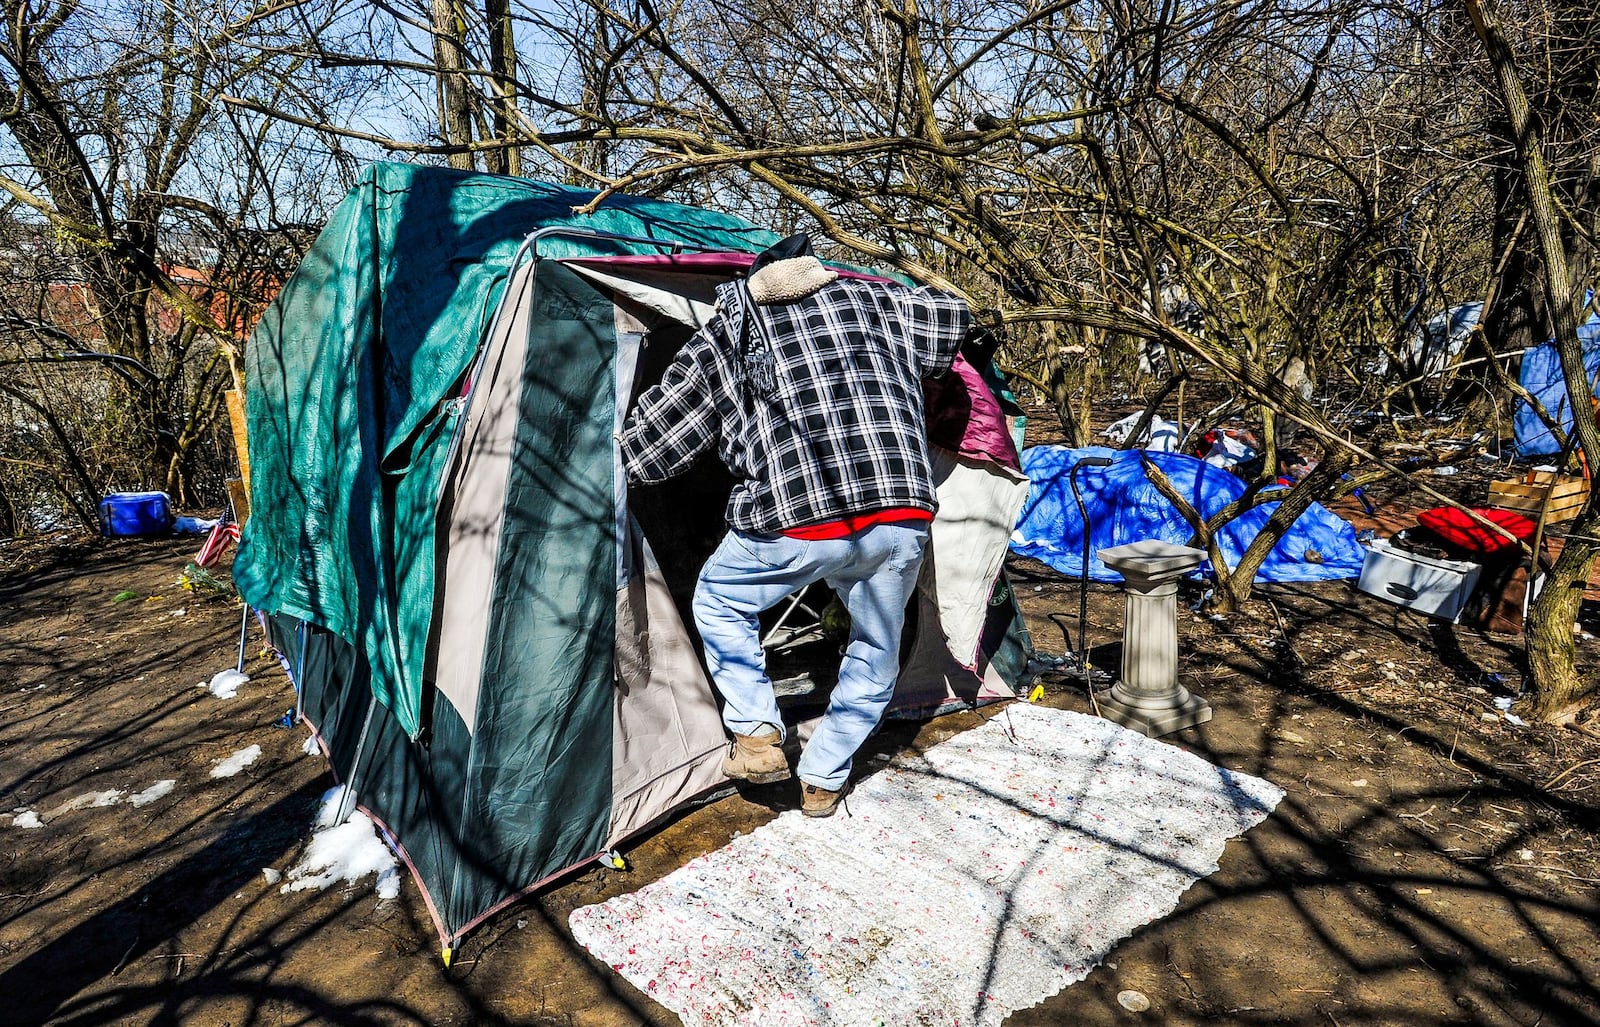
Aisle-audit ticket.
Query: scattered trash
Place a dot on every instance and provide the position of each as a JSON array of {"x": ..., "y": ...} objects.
[
  {"x": 287, "y": 720},
  {"x": 1133, "y": 1001},
  {"x": 194, "y": 525},
  {"x": 124, "y": 596},
  {"x": 311, "y": 748},
  {"x": 1446, "y": 471},
  {"x": 1160, "y": 435},
  {"x": 1526, "y": 855},
  {"x": 1503, "y": 702},
  {"x": 1226, "y": 447},
  {"x": 1290, "y": 736},
  {"x": 1359, "y": 782},
  {"x": 1489, "y": 717}
]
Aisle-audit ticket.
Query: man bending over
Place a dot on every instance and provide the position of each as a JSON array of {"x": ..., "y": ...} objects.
[{"x": 810, "y": 387}]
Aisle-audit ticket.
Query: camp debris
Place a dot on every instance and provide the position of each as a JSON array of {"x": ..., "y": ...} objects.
[{"x": 1122, "y": 506}]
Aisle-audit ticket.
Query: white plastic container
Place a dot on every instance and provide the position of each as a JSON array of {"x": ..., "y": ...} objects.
[{"x": 1438, "y": 588}]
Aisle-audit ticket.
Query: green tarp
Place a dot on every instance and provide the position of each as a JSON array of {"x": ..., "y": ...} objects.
[{"x": 350, "y": 378}]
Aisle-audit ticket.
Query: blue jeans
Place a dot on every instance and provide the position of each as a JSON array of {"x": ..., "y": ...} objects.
[{"x": 873, "y": 572}]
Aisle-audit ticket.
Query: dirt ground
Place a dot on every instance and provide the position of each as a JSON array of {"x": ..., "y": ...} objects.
[{"x": 1432, "y": 863}]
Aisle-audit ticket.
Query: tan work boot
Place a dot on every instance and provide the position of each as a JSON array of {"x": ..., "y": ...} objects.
[
  {"x": 757, "y": 759},
  {"x": 818, "y": 802}
]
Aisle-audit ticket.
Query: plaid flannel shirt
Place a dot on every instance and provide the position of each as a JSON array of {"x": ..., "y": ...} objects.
[{"x": 843, "y": 431}]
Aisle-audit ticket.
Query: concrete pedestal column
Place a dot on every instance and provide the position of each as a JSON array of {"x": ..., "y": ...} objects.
[{"x": 1148, "y": 697}]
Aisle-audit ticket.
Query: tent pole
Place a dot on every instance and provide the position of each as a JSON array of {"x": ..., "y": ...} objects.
[
  {"x": 244, "y": 629},
  {"x": 299, "y": 678},
  {"x": 347, "y": 801}
]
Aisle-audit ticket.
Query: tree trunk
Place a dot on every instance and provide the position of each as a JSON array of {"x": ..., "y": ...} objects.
[
  {"x": 1549, "y": 639},
  {"x": 1549, "y": 631},
  {"x": 1060, "y": 391},
  {"x": 449, "y": 57},
  {"x": 503, "y": 69},
  {"x": 1296, "y": 501}
]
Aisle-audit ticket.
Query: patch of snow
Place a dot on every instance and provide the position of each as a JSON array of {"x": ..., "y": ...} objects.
[
  {"x": 152, "y": 793},
  {"x": 91, "y": 800},
  {"x": 311, "y": 748},
  {"x": 328, "y": 809},
  {"x": 237, "y": 762},
  {"x": 225, "y": 683},
  {"x": 348, "y": 852},
  {"x": 27, "y": 819},
  {"x": 272, "y": 876}
]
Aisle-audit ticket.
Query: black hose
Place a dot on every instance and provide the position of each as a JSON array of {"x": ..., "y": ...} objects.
[{"x": 1083, "y": 582}]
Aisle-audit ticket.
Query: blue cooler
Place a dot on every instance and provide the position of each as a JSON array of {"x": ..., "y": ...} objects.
[{"x": 135, "y": 513}]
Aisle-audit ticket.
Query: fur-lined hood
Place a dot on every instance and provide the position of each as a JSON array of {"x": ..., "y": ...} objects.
[{"x": 785, "y": 281}]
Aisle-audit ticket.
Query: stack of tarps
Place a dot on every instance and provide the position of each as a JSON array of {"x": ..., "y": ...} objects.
[
  {"x": 1541, "y": 376},
  {"x": 1123, "y": 505}
]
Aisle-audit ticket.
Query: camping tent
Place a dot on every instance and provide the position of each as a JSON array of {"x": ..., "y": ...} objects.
[
  {"x": 1542, "y": 377},
  {"x": 486, "y": 631},
  {"x": 1122, "y": 505}
]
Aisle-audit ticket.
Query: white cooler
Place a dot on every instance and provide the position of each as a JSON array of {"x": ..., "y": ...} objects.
[{"x": 1438, "y": 588}]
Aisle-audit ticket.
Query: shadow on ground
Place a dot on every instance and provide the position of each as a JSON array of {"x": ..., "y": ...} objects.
[{"x": 1419, "y": 870}]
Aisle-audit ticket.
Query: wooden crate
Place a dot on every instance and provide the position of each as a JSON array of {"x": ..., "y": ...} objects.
[{"x": 1527, "y": 495}]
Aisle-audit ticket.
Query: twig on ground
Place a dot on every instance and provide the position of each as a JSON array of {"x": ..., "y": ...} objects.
[{"x": 1550, "y": 784}]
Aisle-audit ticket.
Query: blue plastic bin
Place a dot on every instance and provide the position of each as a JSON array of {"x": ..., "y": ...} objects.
[{"x": 124, "y": 514}]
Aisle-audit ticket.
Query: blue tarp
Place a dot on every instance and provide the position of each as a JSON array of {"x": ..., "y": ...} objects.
[
  {"x": 1123, "y": 506},
  {"x": 1541, "y": 376}
]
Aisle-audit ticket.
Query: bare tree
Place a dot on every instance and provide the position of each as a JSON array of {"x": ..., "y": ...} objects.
[
  {"x": 151, "y": 225},
  {"x": 1565, "y": 245}
]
